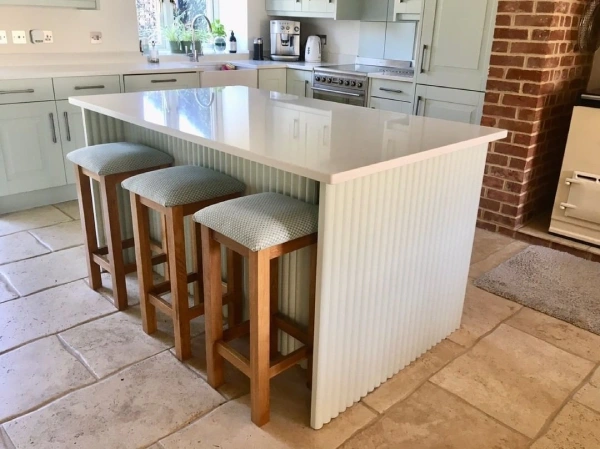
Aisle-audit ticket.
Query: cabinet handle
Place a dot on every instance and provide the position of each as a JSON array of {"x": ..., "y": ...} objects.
[
  {"x": 100, "y": 86},
  {"x": 17, "y": 91},
  {"x": 387, "y": 89},
  {"x": 296, "y": 128},
  {"x": 67, "y": 127},
  {"x": 163, "y": 81},
  {"x": 52, "y": 127},
  {"x": 325, "y": 133},
  {"x": 423, "y": 58},
  {"x": 418, "y": 104}
]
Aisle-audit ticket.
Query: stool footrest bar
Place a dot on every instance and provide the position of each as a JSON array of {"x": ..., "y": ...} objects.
[
  {"x": 237, "y": 359},
  {"x": 287, "y": 361},
  {"x": 236, "y": 332},
  {"x": 289, "y": 327}
]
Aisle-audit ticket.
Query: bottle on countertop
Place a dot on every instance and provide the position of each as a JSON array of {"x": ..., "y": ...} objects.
[
  {"x": 232, "y": 43},
  {"x": 258, "y": 49}
]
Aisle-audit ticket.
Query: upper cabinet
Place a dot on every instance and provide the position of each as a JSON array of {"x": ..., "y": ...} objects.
[
  {"x": 328, "y": 9},
  {"x": 78, "y": 4},
  {"x": 405, "y": 9},
  {"x": 456, "y": 43},
  {"x": 375, "y": 10}
]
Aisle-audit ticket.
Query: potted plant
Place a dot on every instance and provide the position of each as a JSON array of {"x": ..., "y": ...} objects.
[
  {"x": 172, "y": 34},
  {"x": 218, "y": 32}
]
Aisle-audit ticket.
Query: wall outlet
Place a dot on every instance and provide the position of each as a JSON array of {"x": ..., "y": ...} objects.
[
  {"x": 96, "y": 37},
  {"x": 323, "y": 38},
  {"x": 3, "y": 37},
  {"x": 48, "y": 37},
  {"x": 19, "y": 37}
]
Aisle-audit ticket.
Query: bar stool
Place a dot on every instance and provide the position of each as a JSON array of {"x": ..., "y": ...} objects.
[
  {"x": 175, "y": 193},
  {"x": 110, "y": 164},
  {"x": 262, "y": 228}
]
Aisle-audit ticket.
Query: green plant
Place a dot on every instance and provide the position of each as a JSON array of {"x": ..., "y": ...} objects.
[
  {"x": 199, "y": 35},
  {"x": 218, "y": 29},
  {"x": 173, "y": 33}
]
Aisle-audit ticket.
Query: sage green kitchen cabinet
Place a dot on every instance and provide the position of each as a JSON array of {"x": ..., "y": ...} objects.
[
  {"x": 326, "y": 9},
  {"x": 449, "y": 104},
  {"x": 273, "y": 79},
  {"x": 299, "y": 82},
  {"x": 384, "y": 104},
  {"x": 456, "y": 41},
  {"x": 31, "y": 156},
  {"x": 72, "y": 133},
  {"x": 77, "y": 4},
  {"x": 284, "y": 5},
  {"x": 161, "y": 81},
  {"x": 375, "y": 10}
]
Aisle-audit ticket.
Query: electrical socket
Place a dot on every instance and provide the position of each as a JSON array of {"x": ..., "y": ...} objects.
[
  {"x": 3, "y": 37},
  {"x": 323, "y": 38},
  {"x": 19, "y": 37},
  {"x": 48, "y": 37}
]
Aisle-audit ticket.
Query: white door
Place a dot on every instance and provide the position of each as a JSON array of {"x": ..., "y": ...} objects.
[
  {"x": 299, "y": 83},
  {"x": 31, "y": 155},
  {"x": 272, "y": 79},
  {"x": 284, "y": 133},
  {"x": 72, "y": 133},
  {"x": 456, "y": 41},
  {"x": 316, "y": 136},
  {"x": 449, "y": 104},
  {"x": 284, "y": 5}
]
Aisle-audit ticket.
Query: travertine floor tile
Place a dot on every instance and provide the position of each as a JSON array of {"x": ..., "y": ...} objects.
[
  {"x": 559, "y": 333},
  {"x": 131, "y": 409},
  {"x": 111, "y": 343},
  {"x": 6, "y": 293},
  {"x": 61, "y": 236},
  {"x": 48, "y": 312},
  {"x": 487, "y": 243},
  {"x": 514, "y": 377},
  {"x": 590, "y": 393},
  {"x": 229, "y": 427},
  {"x": 431, "y": 419},
  {"x": 31, "y": 219},
  {"x": 575, "y": 427},
  {"x": 19, "y": 246},
  {"x": 133, "y": 288},
  {"x": 492, "y": 261},
  {"x": 33, "y": 275},
  {"x": 5, "y": 442},
  {"x": 37, "y": 373},
  {"x": 71, "y": 208},
  {"x": 482, "y": 312},
  {"x": 410, "y": 378}
]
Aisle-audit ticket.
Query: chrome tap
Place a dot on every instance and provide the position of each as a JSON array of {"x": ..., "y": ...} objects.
[{"x": 195, "y": 52}]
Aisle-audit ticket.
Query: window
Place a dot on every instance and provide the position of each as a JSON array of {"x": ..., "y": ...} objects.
[{"x": 167, "y": 22}]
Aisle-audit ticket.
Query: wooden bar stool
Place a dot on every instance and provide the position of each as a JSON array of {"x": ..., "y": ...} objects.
[
  {"x": 175, "y": 193},
  {"x": 110, "y": 164},
  {"x": 262, "y": 228}
]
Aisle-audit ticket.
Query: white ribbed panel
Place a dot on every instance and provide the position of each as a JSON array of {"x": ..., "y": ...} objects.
[{"x": 394, "y": 251}]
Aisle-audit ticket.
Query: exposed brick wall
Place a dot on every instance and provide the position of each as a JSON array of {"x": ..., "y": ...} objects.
[{"x": 536, "y": 73}]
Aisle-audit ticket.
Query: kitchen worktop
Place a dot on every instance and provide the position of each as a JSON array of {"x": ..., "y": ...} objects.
[{"x": 264, "y": 127}]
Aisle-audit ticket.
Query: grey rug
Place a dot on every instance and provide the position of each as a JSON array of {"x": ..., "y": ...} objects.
[{"x": 549, "y": 281}]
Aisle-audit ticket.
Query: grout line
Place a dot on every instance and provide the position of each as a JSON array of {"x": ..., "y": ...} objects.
[
  {"x": 76, "y": 355},
  {"x": 39, "y": 241},
  {"x": 367, "y": 406},
  {"x": 56, "y": 207},
  {"x": 41, "y": 227}
]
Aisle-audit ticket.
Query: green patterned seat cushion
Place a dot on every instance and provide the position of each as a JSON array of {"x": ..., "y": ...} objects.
[
  {"x": 261, "y": 221},
  {"x": 118, "y": 157},
  {"x": 185, "y": 184}
]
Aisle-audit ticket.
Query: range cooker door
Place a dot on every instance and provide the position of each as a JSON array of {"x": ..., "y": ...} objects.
[{"x": 352, "y": 99}]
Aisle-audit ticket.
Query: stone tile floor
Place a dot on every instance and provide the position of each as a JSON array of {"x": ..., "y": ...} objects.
[{"x": 76, "y": 373}]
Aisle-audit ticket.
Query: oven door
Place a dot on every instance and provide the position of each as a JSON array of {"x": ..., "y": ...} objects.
[{"x": 350, "y": 98}]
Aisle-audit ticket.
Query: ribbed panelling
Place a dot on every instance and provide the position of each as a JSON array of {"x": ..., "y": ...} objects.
[{"x": 394, "y": 251}]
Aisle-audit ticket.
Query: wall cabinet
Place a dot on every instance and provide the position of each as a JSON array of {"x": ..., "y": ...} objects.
[
  {"x": 456, "y": 39},
  {"x": 72, "y": 133},
  {"x": 78, "y": 4},
  {"x": 449, "y": 104},
  {"x": 329, "y": 9},
  {"x": 299, "y": 83},
  {"x": 31, "y": 155},
  {"x": 407, "y": 7},
  {"x": 272, "y": 79}
]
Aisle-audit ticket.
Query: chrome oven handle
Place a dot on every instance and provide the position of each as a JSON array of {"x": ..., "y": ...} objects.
[{"x": 339, "y": 92}]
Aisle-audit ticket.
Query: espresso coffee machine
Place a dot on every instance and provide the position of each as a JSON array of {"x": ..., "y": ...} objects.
[{"x": 285, "y": 40}]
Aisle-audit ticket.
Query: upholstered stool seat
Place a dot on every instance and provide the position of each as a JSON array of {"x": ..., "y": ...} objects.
[
  {"x": 181, "y": 185},
  {"x": 262, "y": 228},
  {"x": 119, "y": 157},
  {"x": 176, "y": 193}
]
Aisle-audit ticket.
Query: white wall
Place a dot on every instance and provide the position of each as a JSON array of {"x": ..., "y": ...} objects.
[
  {"x": 342, "y": 37},
  {"x": 116, "y": 19}
]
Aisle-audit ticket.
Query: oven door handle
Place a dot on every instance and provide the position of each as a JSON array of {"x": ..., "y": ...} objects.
[{"x": 339, "y": 92}]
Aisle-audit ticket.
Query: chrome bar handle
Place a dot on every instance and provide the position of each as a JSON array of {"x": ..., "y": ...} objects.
[
  {"x": 351, "y": 94},
  {"x": 387, "y": 89},
  {"x": 423, "y": 58},
  {"x": 100, "y": 86},
  {"x": 173, "y": 80},
  {"x": 52, "y": 127},
  {"x": 17, "y": 91},
  {"x": 67, "y": 127}
]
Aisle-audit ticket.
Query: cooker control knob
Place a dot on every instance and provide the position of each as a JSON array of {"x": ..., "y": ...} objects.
[
  {"x": 353, "y": 83},
  {"x": 296, "y": 29},
  {"x": 347, "y": 83},
  {"x": 287, "y": 28},
  {"x": 359, "y": 85},
  {"x": 317, "y": 78},
  {"x": 340, "y": 82},
  {"x": 282, "y": 28},
  {"x": 329, "y": 80}
]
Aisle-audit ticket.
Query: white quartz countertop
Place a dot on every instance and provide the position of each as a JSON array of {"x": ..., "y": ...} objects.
[{"x": 321, "y": 140}]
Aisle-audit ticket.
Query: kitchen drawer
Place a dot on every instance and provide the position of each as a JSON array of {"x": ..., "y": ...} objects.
[
  {"x": 394, "y": 90},
  {"x": 25, "y": 91},
  {"x": 384, "y": 104},
  {"x": 162, "y": 81},
  {"x": 86, "y": 85}
]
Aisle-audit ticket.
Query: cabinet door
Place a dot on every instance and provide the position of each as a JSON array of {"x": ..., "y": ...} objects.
[
  {"x": 316, "y": 136},
  {"x": 385, "y": 104},
  {"x": 272, "y": 79},
  {"x": 316, "y": 5},
  {"x": 456, "y": 41},
  {"x": 284, "y": 5},
  {"x": 449, "y": 104},
  {"x": 30, "y": 151},
  {"x": 299, "y": 83},
  {"x": 374, "y": 10},
  {"x": 72, "y": 133},
  {"x": 283, "y": 128},
  {"x": 407, "y": 6}
]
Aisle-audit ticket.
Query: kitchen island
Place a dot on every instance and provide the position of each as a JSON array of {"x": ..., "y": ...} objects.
[{"x": 398, "y": 198}]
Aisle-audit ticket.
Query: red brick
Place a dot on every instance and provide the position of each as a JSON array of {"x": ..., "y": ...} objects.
[
  {"x": 488, "y": 121},
  {"x": 547, "y": 35},
  {"x": 488, "y": 204},
  {"x": 504, "y": 197},
  {"x": 511, "y": 150},
  {"x": 507, "y": 209},
  {"x": 506, "y": 173},
  {"x": 529, "y": 114},
  {"x": 527, "y": 75},
  {"x": 497, "y": 159},
  {"x": 515, "y": 6},
  {"x": 503, "y": 86},
  {"x": 577, "y": 8},
  {"x": 507, "y": 61},
  {"x": 496, "y": 72},
  {"x": 487, "y": 226},
  {"x": 500, "y": 111},
  {"x": 514, "y": 187},
  {"x": 521, "y": 101},
  {"x": 519, "y": 164},
  {"x": 536, "y": 89},
  {"x": 567, "y": 61},
  {"x": 550, "y": 7},
  {"x": 500, "y": 219},
  {"x": 542, "y": 63},
  {"x": 492, "y": 98},
  {"x": 537, "y": 20},
  {"x": 511, "y": 33},
  {"x": 532, "y": 48},
  {"x": 503, "y": 20},
  {"x": 517, "y": 126},
  {"x": 499, "y": 47},
  {"x": 568, "y": 21},
  {"x": 495, "y": 183}
]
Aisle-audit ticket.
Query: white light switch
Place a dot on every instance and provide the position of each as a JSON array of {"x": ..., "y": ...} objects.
[
  {"x": 19, "y": 37},
  {"x": 3, "y": 37}
]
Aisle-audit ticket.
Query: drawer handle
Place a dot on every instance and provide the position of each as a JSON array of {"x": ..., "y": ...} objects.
[
  {"x": 99, "y": 86},
  {"x": 163, "y": 81},
  {"x": 68, "y": 128},
  {"x": 418, "y": 104},
  {"x": 387, "y": 89},
  {"x": 423, "y": 58},
  {"x": 17, "y": 91},
  {"x": 52, "y": 127}
]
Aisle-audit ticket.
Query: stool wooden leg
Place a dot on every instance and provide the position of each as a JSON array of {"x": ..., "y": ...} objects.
[
  {"x": 274, "y": 295},
  {"x": 114, "y": 242},
  {"x": 143, "y": 255},
  {"x": 260, "y": 317},
  {"x": 86, "y": 210},
  {"x": 235, "y": 281},
  {"x": 179, "y": 289},
  {"x": 213, "y": 306},
  {"x": 199, "y": 284},
  {"x": 164, "y": 244},
  {"x": 311, "y": 309}
]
